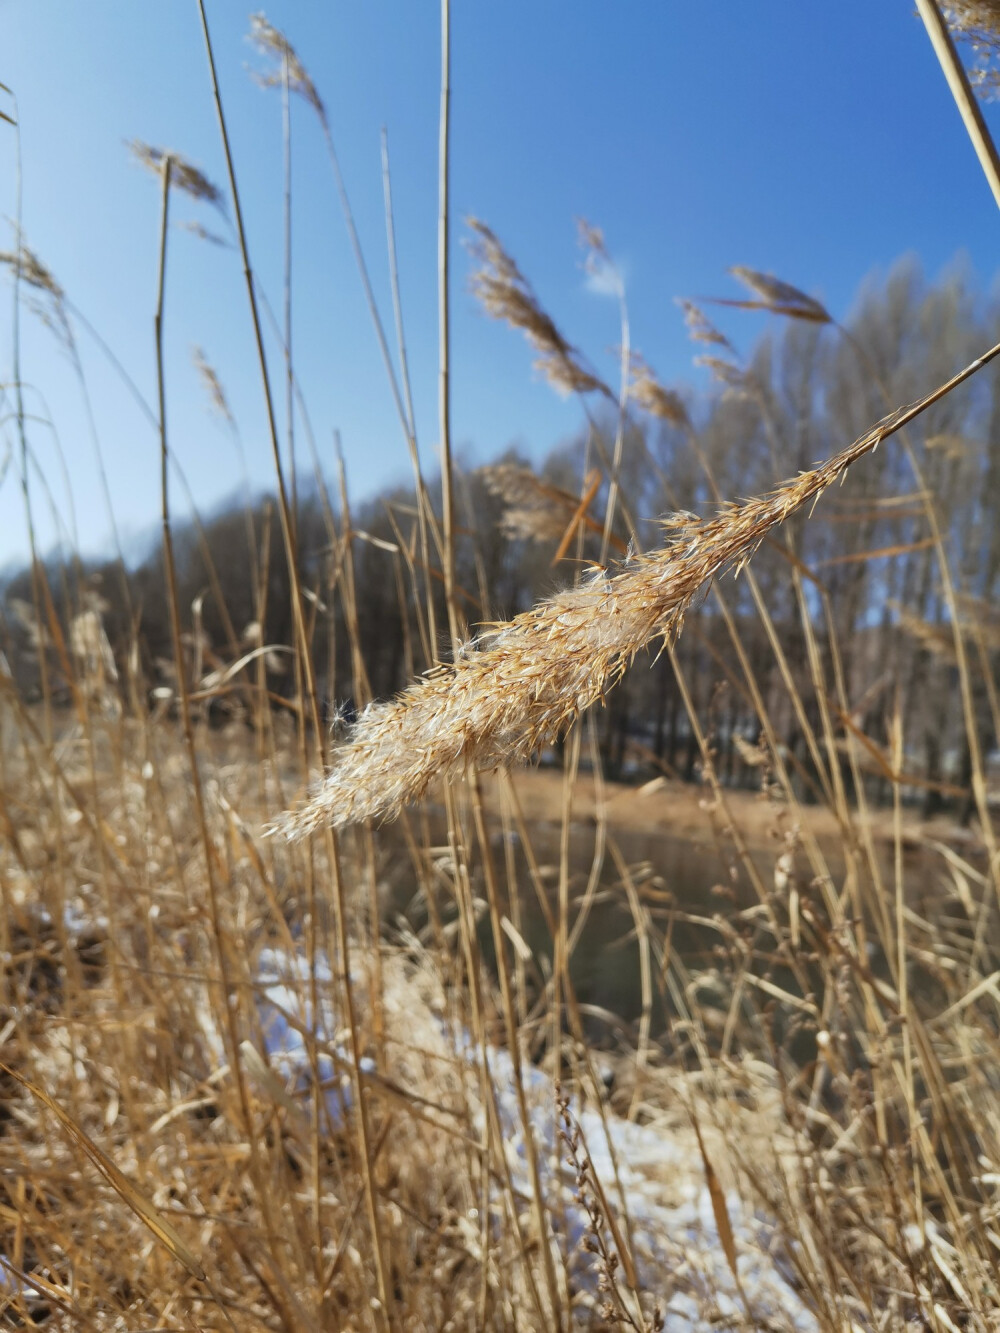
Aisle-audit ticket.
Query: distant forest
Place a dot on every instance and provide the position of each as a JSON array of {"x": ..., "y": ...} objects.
[{"x": 854, "y": 595}]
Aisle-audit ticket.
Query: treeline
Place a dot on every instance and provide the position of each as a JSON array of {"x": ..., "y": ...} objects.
[{"x": 883, "y": 600}]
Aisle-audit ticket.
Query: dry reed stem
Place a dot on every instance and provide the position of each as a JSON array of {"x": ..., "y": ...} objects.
[{"x": 520, "y": 684}]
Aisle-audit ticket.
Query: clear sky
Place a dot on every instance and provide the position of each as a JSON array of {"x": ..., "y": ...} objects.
[{"x": 816, "y": 141}]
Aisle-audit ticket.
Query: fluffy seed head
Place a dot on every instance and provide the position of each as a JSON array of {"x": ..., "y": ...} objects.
[
  {"x": 32, "y": 270},
  {"x": 781, "y": 298},
  {"x": 203, "y": 234},
  {"x": 653, "y": 397},
  {"x": 185, "y": 176},
  {"x": 726, "y": 372},
  {"x": 700, "y": 328},
  {"x": 50, "y": 302},
  {"x": 532, "y": 510},
  {"x": 602, "y": 272},
  {"x": 520, "y": 684},
  {"x": 270, "y": 42},
  {"x": 213, "y": 385},
  {"x": 505, "y": 294}
]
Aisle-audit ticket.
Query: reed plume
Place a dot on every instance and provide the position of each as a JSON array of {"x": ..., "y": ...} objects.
[
  {"x": 532, "y": 510},
  {"x": 185, "y": 176},
  {"x": 975, "y": 17},
  {"x": 518, "y": 685},
  {"x": 49, "y": 302},
  {"x": 700, "y": 328},
  {"x": 727, "y": 373},
  {"x": 271, "y": 43},
  {"x": 213, "y": 386},
  {"x": 505, "y": 294},
  {"x": 32, "y": 270},
  {"x": 780, "y": 298},
  {"x": 653, "y": 397}
]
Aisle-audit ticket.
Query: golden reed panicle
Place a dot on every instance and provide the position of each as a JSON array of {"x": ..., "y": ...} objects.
[{"x": 519, "y": 684}]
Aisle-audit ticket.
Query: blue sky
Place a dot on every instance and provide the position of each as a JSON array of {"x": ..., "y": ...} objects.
[{"x": 815, "y": 141}]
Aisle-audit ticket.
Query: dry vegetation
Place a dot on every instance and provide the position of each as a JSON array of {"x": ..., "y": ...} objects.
[{"x": 350, "y": 1080}]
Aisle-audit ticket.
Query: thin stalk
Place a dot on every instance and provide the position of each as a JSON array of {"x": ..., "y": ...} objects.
[
  {"x": 425, "y": 513},
  {"x": 218, "y": 928},
  {"x": 444, "y": 328},
  {"x": 365, "y": 1142},
  {"x": 538, "y": 1201},
  {"x": 359, "y": 259},
  {"x": 362, "y": 691},
  {"x": 614, "y": 484},
  {"x": 301, "y": 720},
  {"x": 43, "y": 666},
  {"x": 397, "y": 306},
  {"x": 286, "y": 126}
]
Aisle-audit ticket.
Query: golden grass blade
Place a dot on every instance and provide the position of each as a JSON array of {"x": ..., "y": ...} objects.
[{"x": 164, "y": 1232}]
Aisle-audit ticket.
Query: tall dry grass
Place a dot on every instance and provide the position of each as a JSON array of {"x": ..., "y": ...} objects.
[{"x": 242, "y": 1089}]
